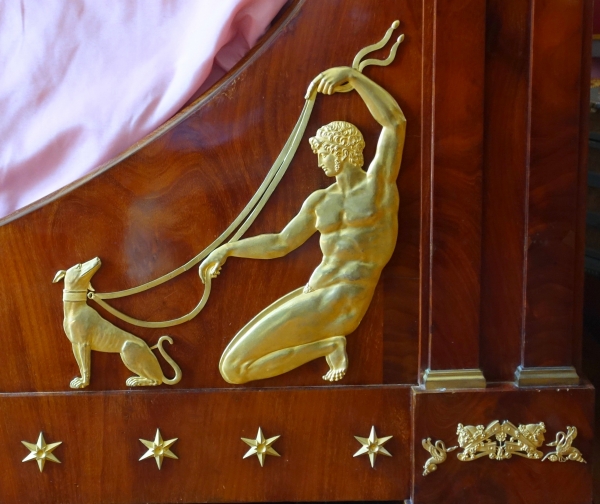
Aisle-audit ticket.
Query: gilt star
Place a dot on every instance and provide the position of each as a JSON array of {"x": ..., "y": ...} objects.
[
  {"x": 158, "y": 449},
  {"x": 373, "y": 446},
  {"x": 261, "y": 447},
  {"x": 40, "y": 452}
]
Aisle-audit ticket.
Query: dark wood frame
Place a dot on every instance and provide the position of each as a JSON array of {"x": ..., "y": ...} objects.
[{"x": 487, "y": 275}]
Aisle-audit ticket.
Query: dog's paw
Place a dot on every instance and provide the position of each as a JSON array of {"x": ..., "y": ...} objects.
[
  {"x": 78, "y": 383},
  {"x": 138, "y": 381}
]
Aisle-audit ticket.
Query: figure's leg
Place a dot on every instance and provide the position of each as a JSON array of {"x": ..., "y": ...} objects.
[
  {"x": 140, "y": 359},
  {"x": 338, "y": 362},
  {"x": 305, "y": 328},
  {"x": 82, "y": 353},
  {"x": 286, "y": 359}
]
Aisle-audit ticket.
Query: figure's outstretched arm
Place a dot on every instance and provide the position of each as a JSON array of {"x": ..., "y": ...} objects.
[
  {"x": 385, "y": 110},
  {"x": 267, "y": 246}
]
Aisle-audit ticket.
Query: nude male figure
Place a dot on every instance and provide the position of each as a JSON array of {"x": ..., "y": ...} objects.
[{"x": 357, "y": 217}]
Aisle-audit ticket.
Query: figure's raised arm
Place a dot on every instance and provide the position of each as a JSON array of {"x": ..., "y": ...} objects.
[
  {"x": 385, "y": 110},
  {"x": 267, "y": 246}
]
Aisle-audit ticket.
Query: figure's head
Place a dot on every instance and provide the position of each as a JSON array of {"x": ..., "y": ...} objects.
[{"x": 339, "y": 143}]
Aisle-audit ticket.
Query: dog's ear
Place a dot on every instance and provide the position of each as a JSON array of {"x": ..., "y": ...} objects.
[
  {"x": 90, "y": 288},
  {"x": 60, "y": 274}
]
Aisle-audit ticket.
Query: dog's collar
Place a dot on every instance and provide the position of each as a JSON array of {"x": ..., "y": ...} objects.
[{"x": 74, "y": 295}]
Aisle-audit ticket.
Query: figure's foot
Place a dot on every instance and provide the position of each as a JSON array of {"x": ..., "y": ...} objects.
[
  {"x": 138, "y": 381},
  {"x": 78, "y": 383},
  {"x": 337, "y": 360}
]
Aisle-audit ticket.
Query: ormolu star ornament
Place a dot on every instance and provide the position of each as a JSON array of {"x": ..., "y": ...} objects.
[
  {"x": 40, "y": 452},
  {"x": 373, "y": 446},
  {"x": 261, "y": 447},
  {"x": 158, "y": 449}
]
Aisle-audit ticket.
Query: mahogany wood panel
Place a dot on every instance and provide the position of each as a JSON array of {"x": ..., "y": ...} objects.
[
  {"x": 448, "y": 280},
  {"x": 536, "y": 88},
  {"x": 100, "y": 451},
  {"x": 401, "y": 276},
  {"x": 456, "y": 165},
  {"x": 506, "y": 161},
  {"x": 167, "y": 200},
  {"x": 514, "y": 481},
  {"x": 552, "y": 215}
]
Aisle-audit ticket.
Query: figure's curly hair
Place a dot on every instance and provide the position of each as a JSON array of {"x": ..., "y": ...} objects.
[{"x": 342, "y": 139}]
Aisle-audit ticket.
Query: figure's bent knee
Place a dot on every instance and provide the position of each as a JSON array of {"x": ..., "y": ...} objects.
[
  {"x": 232, "y": 376},
  {"x": 231, "y": 370}
]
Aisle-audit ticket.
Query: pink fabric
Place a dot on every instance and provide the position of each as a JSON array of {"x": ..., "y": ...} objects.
[{"x": 82, "y": 80}]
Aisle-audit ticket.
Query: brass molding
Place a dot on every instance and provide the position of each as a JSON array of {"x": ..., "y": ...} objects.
[
  {"x": 545, "y": 376},
  {"x": 453, "y": 379}
]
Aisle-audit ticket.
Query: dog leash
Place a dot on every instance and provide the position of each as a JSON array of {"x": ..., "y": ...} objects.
[
  {"x": 249, "y": 213},
  {"x": 253, "y": 208}
]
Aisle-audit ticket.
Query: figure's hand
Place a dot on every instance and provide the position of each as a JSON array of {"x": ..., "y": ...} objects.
[
  {"x": 329, "y": 81},
  {"x": 213, "y": 263}
]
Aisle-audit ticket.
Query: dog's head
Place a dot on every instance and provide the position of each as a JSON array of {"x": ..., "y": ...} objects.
[{"x": 78, "y": 277}]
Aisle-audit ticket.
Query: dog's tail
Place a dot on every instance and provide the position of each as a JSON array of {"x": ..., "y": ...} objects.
[{"x": 173, "y": 364}]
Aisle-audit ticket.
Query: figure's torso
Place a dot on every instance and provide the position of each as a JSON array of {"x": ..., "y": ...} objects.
[{"x": 358, "y": 233}]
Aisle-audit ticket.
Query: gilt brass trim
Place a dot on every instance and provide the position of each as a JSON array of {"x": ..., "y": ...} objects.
[
  {"x": 158, "y": 449},
  {"x": 438, "y": 452},
  {"x": 372, "y": 446},
  {"x": 546, "y": 376},
  {"x": 564, "y": 451},
  {"x": 500, "y": 441},
  {"x": 261, "y": 447},
  {"x": 453, "y": 379},
  {"x": 76, "y": 295},
  {"x": 41, "y": 452}
]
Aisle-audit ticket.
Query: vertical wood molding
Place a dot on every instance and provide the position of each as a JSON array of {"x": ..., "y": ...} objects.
[
  {"x": 584, "y": 126},
  {"x": 456, "y": 198},
  {"x": 536, "y": 119},
  {"x": 552, "y": 224},
  {"x": 506, "y": 145}
]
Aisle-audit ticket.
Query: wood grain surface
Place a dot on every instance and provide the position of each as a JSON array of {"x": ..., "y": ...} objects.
[
  {"x": 158, "y": 207},
  {"x": 514, "y": 481},
  {"x": 504, "y": 185},
  {"x": 100, "y": 453},
  {"x": 486, "y": 272},
  {"x": 552, "y": 184},
  {"x": 536, "y": 89},
  {"x": 456, "y": 166}
]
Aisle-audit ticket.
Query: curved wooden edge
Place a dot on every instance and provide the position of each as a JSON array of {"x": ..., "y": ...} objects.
[{"x": 288, "y": 13}]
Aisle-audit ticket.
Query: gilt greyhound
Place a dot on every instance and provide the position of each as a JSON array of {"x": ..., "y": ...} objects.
[{"x": 88, "y": 331}]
